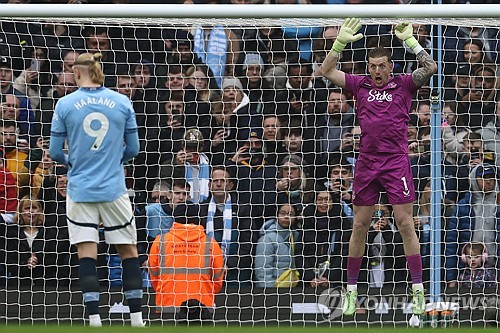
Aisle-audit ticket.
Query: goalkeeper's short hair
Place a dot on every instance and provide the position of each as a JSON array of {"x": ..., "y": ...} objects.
[{"x": 380, "y": 52}]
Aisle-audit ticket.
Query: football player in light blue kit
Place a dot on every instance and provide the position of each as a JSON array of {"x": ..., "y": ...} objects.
[{"x": 101, "y": 132}]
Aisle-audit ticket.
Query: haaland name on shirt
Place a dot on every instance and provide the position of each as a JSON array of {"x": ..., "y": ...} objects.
[{"x": 93, "y": 100}]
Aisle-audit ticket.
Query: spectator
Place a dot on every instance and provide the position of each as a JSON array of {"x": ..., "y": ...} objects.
[
  {"x": 349, "y": 148},
  {"x": 476, "y": 218},
  {"x": 221, "y": 133},
  {"x": 456, "y": 36},
  {"x": 8, "y": 193},
  {"x": 293, "y": 185},
  {"x": 159, "y": 217},
  {"x": 340, "y": 183},
  {"x": 30, "y": 248},
  {"x": 181, "y": 44},
  {"x": 453, "y": 132},
  {"x": 231, "y": 226},
  {"x": 255, "y": 179},
  {"x": 199, "y": 93},
  {"x": 35, "y": 80},
  {"x": 460, "y": 84},
  {"x": 303, "y": 97},
  {"x": 64, "y": 85},
  {"x": 274, "y": 147},
  {"x": 420, "y": 160},
  {"x": 338, "y": 119},
  {"x": 166, "y": 139},
  {"x": 159, "y": 193},
  {"x": 295, "y": 143},
  {"x": 68, "y": 61},
  {"x": 385, "y": 249},
  {"x": 476, "y": 274},
  {"x": 97, "y": 40},
  {"x": 188, "y": 249},
  {"x": 6, "y": 87},
  {"x": 474, "y": 54},
  {"x": 477, "y": 108},
  {"x": 253, "y": 82},
  {"x": 237, "y": 103},
  {"x": 10, "y": 108},
  {"x": 18, "y": 162},
  {"x": 275, "y": 248},
  {"x": 490, "y": 134},
  {"x": 192, "y": 164},
  {"x": 324, "y": 236},
  {"x": 423, "y": 111}
]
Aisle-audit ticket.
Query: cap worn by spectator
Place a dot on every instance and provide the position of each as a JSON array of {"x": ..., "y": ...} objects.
[
  {"x": 464, "y": 70},
  {"x": 231, "y": 82},
  {"x": 485, "y": 171},
  {"x": 252, "y": 59},
  {"x": 193, "y": 137},
  {"x": 255, "y": 133},
  {"x": 295, "y": 159},
  {"x": 5, "y": 62}
]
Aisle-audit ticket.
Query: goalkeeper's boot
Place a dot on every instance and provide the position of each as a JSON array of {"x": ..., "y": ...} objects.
[
  {"x": 418, "y": 301},
  {"x": 349, "y": 300}
]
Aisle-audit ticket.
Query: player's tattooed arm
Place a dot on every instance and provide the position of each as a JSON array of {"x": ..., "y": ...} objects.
[{"x": 423, "y": 74}]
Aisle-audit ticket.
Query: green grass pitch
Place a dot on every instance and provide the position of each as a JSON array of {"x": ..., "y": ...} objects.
[{"x": 223, "y": 329}]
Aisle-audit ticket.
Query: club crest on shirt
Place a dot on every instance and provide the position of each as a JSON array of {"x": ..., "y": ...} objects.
[{"x": 379, "y": 96}]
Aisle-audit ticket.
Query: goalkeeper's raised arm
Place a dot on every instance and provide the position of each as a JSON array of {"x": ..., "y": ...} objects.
[
  {"x": 347, "y": 34},
  {"x": 422, "y": 75}
]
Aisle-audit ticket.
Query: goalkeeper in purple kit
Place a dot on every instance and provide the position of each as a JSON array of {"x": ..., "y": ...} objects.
[{"x": 383, "y": 110}]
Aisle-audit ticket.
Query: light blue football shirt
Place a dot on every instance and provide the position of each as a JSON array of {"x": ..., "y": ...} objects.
[{"x": 100, "y": 127}]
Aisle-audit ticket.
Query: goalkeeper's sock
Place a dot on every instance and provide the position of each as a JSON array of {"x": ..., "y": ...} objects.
[
  {"x": 353, "y": 268},
  {"x": 415, "y": 265},
  {"x": 417, "y": 286}
]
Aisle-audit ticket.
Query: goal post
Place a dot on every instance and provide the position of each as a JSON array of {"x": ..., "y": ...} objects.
[{"x": 147, "y": 36}]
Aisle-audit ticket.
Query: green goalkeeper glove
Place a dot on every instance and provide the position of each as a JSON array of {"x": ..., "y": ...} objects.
[
  {"x": 404, "y": 31},
  {"x": 347, "y": 34}
]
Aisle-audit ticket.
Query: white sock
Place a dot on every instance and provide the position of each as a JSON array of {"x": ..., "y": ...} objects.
[
  {"x": 136, "y": 319},
  {"x": 417, "y": 286},
  {"x": 352, "y": 287},
  {"x": 95, "y": 320}
]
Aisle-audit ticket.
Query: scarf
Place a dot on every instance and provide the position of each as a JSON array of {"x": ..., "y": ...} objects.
[
  {"x": 228, "y": 223},
  {"x": 212, "y": 52},
  {"x": 198, "y": 177}
]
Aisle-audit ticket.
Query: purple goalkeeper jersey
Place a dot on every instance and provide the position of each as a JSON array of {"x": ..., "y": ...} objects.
[{"x": 383, "y": 113}]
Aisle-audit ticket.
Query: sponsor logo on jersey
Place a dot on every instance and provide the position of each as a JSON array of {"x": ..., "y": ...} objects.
[{"x": 379, "y": 96}]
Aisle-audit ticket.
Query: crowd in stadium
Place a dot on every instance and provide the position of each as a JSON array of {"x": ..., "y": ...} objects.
[{"x": 239, "y": 123}]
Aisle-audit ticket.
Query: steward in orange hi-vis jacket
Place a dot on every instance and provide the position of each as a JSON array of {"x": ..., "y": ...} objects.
[{"x": 184, "y": 264}]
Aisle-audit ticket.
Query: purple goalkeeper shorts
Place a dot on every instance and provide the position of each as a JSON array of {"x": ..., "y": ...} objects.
[{"x": 374, "y": 173}]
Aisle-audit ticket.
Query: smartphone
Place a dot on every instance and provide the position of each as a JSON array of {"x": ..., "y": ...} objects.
[
  {"x": 22, "y": 141},
  {"x": 35, "y": 65},
  {"x": 196, "y": 158},
  {"x": 179, "y": 118}
]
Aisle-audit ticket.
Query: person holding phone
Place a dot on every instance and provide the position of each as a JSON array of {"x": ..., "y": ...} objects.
[
  {"x": 192, "y": 164},
  {"x": 36, "y": 80}
]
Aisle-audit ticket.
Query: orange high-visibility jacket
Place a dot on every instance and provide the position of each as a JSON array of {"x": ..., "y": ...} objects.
[{"x": 185, "y": 264}]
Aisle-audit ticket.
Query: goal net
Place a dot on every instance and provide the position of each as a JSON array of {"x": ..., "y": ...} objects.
[{"x": 235, "y": 117}]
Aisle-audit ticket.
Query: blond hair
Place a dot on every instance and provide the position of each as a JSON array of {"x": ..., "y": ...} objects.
[
  {"x": 92, "y": 61},
  {"x": 31, "y": 201}
]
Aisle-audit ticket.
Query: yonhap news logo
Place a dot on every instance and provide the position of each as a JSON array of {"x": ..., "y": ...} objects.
[{"x": 329, "y": 303}]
